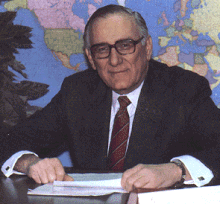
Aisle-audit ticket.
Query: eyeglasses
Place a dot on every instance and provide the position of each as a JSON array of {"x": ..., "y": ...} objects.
[{"x": 123, "y": 47}]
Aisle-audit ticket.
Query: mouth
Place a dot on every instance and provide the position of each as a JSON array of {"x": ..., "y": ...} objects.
[{"x": 118, "y": 71}]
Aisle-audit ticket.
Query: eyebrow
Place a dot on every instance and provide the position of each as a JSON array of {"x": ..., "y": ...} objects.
[{"x": 101, "y": 43}]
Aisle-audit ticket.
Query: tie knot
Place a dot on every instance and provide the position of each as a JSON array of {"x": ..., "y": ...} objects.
[{"x": 124, "y": 101}]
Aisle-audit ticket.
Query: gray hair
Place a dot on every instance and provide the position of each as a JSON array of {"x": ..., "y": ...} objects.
[{"x": 114, "y": 9}]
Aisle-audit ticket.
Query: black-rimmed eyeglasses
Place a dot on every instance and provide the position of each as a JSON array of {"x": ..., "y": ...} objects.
[{"x": 123, "y": 47}]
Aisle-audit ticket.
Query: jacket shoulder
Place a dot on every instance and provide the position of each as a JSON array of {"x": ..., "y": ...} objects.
[
  {"x": 173, "y": 71},
  {"x": 86, "y": 80},
  {"x": 182, "y": 83}
]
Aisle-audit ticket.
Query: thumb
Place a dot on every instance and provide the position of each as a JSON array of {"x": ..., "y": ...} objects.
[{"x": 68, "y": 178}]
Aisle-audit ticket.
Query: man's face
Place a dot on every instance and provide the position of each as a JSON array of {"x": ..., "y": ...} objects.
[{"x": 123, "y": 73}]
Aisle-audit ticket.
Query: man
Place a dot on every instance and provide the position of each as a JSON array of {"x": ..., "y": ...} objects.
[{"x": 171, "y": 114}]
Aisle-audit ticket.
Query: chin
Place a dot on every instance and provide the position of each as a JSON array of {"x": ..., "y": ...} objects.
[
  {"x": 120, "y": 86},
  {"x": 121, "y": 90}
]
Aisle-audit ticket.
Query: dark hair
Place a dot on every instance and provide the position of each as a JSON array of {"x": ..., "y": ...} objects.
[{"x": 114, "y": 9}]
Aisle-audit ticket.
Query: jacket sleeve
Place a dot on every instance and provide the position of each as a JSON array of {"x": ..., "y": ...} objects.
[
  {"x": 204, "y": 125},
  {"x": 42, "y": 133}
]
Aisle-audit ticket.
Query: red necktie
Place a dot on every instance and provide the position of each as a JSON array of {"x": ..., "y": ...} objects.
[{"x": 119, "y": 136}]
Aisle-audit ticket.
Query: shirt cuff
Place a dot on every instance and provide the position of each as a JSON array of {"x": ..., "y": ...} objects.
[
  {"x": 7, "y": 167},
  {"x": 201, "y": 175}
]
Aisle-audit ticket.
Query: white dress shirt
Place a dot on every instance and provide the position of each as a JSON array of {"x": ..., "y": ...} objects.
[{"x": 200, "y": 174}]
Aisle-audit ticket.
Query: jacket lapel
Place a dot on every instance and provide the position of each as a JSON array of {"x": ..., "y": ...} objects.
[
  {"x": 98, "y": 120},
  {"x": 147, "y": 118}
]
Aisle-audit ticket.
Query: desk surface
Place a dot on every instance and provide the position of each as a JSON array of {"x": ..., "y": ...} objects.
[{"x": 14, "y": 190}]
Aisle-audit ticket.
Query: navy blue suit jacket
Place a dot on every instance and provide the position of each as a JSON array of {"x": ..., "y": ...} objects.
[{"x": 175, "y": 116}]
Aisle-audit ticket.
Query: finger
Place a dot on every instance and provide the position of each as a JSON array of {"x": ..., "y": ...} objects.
[
  {"x": 128, "y": 175},
  {"x": 68, "y": 178},
  {"x": 134, "y": 182},
  {"x": 147, "y": 178},
  {"x": 41, "y": 168},
  {"x": 138, "y": 180},
  {"x": 51, "y": 173},
  {"x": 60, "y": 173},
  {"x": 38, "y": 174},
  {"x": 149, "y": 182},
  {"x": 141, "y": 182},
  {"x": 34, "y": 175}
]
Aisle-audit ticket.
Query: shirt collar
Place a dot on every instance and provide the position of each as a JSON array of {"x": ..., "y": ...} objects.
[{"x": 133, "y": 96}]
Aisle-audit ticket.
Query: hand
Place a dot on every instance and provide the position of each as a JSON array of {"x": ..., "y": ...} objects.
[
  {"x": 47, "y": 171},
  {"x": 151, "y": 176},
  {"x": 42, "y": 170}
]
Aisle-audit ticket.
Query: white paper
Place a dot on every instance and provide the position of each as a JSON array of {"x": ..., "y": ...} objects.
[
  {"x": 201, "y": 195},
  {"x": 113, "y": 183},
  {"x": 89, "y": 184}
]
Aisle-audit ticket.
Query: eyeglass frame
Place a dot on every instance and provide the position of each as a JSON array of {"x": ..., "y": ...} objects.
[{"x": 135, "y": 42}]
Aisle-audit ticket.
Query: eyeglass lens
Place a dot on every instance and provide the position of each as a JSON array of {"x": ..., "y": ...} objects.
[{"x": 123, "y": 47}]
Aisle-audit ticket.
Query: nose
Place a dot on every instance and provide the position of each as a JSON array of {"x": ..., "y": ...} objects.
[{"x": 115, "y": 58}]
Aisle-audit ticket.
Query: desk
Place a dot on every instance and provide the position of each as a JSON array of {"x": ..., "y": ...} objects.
[{"x": 14, "y": 190}]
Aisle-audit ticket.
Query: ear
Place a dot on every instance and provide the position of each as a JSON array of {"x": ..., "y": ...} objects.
[
  {"x": 149, "y": 47},
  {"x": 89, "y": 56}
]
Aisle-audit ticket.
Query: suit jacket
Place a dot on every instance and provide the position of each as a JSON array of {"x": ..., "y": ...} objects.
[{"x": 175, "y": 116}]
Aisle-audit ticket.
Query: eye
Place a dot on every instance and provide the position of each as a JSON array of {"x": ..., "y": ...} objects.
[
  {"x": 102, "y": 49},
  {"x": 124, "y": 45}
]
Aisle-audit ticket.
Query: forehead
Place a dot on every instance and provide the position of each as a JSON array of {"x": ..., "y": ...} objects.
[{"x": 112, "y": 28}]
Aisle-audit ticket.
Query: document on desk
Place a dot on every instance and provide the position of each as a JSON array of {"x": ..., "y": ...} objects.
[
  {"x": 88, "y": 184},
  {"x": 192, "y": 195}
]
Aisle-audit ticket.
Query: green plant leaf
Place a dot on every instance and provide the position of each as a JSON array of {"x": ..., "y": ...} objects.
[{"x": 33, "y": 90}]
